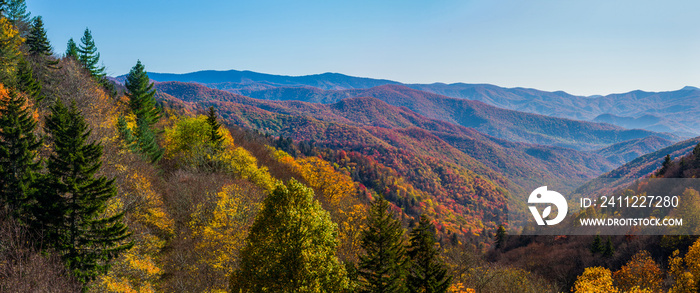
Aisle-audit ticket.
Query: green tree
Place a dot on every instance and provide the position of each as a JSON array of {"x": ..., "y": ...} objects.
[
  {"x": 10, "y": 54},
  {"x": 146, "y": 142},
  {"x": 426, "y": 272},
  {"x": 291, "y": 246},
  {"x": 214, "y": 135},
  {"x": 500, "y": 237},
  {"x": 26, "y": 81},
  {"x": 383, "y": 266},
  {"x": 88, "y": 55},
  {"x": 143, "y": 104},
  {"x": 17, "y": 11},
  {"x": 609, "y": 248},
  {"x": 18, "y": 152},
  {"x": 141, "y": 95},
  {"x": 37, "y": 41},
  {"x": 597, "y": 245},
  {"x": 72, "y": 49},
  {"x": 86, "y": 235},
  {"x": 665, "y": 165}
]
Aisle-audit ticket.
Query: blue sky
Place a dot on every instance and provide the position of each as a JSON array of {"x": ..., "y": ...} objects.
[{"x": 582, "y": 47}]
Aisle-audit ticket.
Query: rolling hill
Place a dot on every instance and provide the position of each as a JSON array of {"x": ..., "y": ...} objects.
[
  {"x": 636, "y": 107},
  {"x": 366, "y": 123},
  {"x": 507, "y": 124}
]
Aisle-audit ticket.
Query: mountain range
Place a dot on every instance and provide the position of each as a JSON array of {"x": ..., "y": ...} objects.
[{"x": 635, "y": 109}]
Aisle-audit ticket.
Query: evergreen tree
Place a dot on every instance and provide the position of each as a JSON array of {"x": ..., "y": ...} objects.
[
  {"x": 215, "y": 137},
  {"x": 597, "y": 245},
  {"x": 71, "y": 49},
  {"x": 89, "y": 57},
  {"x": 143, "y": 104},
  {"x": 141, "y": 95},
  {"x": 291, "y": 246},
  {"x": 383, "y": 266},
  {"x": 125, "y": 133},
  {"x": 26, "y": 81},
  {"x": 500, "y": 237},
  {"x": 18, "y": 152},
  {"x": 426, "y": 272},
  {"x": 37, "y": 41},
  {"x": 665, "y": 165},
  {"x": 146, "y": 142},
  {"x": 86, "y": 240},
  {"x": 17, "y": 11},
  {"x": 608, "y": 249},
  {"x": 696, "y": 154}
]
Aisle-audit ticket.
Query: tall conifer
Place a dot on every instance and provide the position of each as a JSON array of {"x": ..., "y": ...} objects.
[
  {"x": 37, "y": 41},
  {"x": 17, "y": 11},
  {"x": 86, "y": 239},
  {"x": 89, "y": 57},
  {"x": 427, "y": 272},
  {"x": 71, "y": 49},
  {"x": 215, "y": 137},
  {"x": 143, "y": 104},
  {"x": 383, "y": 266},
  {"x": 18, "y": 152}
]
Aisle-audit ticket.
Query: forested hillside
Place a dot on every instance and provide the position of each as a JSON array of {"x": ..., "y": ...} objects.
[
  {"x": 635, "y": 109},
  {"x": 126, "y": 185},
  {"x": 106, "y": 189}
]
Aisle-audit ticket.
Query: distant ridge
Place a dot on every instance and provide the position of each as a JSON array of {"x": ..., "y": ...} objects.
[
  {"x": 234, "y": 79},
  {"x": 502, "y": 123},
  {"x": 678, "y": 111}
]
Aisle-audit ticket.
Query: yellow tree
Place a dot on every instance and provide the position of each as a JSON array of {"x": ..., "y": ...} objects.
[
  {"x": 641, "y": 272},
  {"x": 685, "y": 271},
  {"x": 221, "y": 225},
  {"x": 10, "y": 41},
  {"x": 595, "y": 280},
  {"x": 291, "y": 247}
]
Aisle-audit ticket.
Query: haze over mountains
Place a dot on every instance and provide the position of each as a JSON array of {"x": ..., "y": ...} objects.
[{"x": 636, "y": 109}]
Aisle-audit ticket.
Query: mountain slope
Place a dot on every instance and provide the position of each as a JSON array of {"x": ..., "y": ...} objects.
[
  {"x": 502, "y": 123},
  {"x": 361, "y": 123},
  {"x": 683, "y": 104},
  {"x": 626, "y": 151}
]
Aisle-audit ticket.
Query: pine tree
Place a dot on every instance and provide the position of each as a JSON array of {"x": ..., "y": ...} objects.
[
  {"x": 18, "y": 152},
  {"x": 143, "y": 104},
  {"x": 17, "y": 11},
  {"x": 291, "y": 246},
  {"x": 608, "y": 249},
  {"x": 383, "y": 266},
  {"x": 215, "y": 137},
  {"x": 141, "y": 95},
  {"x": 89, "y": 57},
  {"x": 500, "y": 237},
  {"x": 86, "y": 240},
  {"x": 597, "y": 245},
  {"x": 37, "y": 41},
  {"x": 71, "y": 49},
  {"x": 26, "y": 81},
  {"x": 665, "y": 165},
  {"x": 426, "y": 272}
]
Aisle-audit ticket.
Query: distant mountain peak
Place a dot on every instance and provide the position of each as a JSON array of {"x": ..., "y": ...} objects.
[{"x": 690, "y": 88}]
